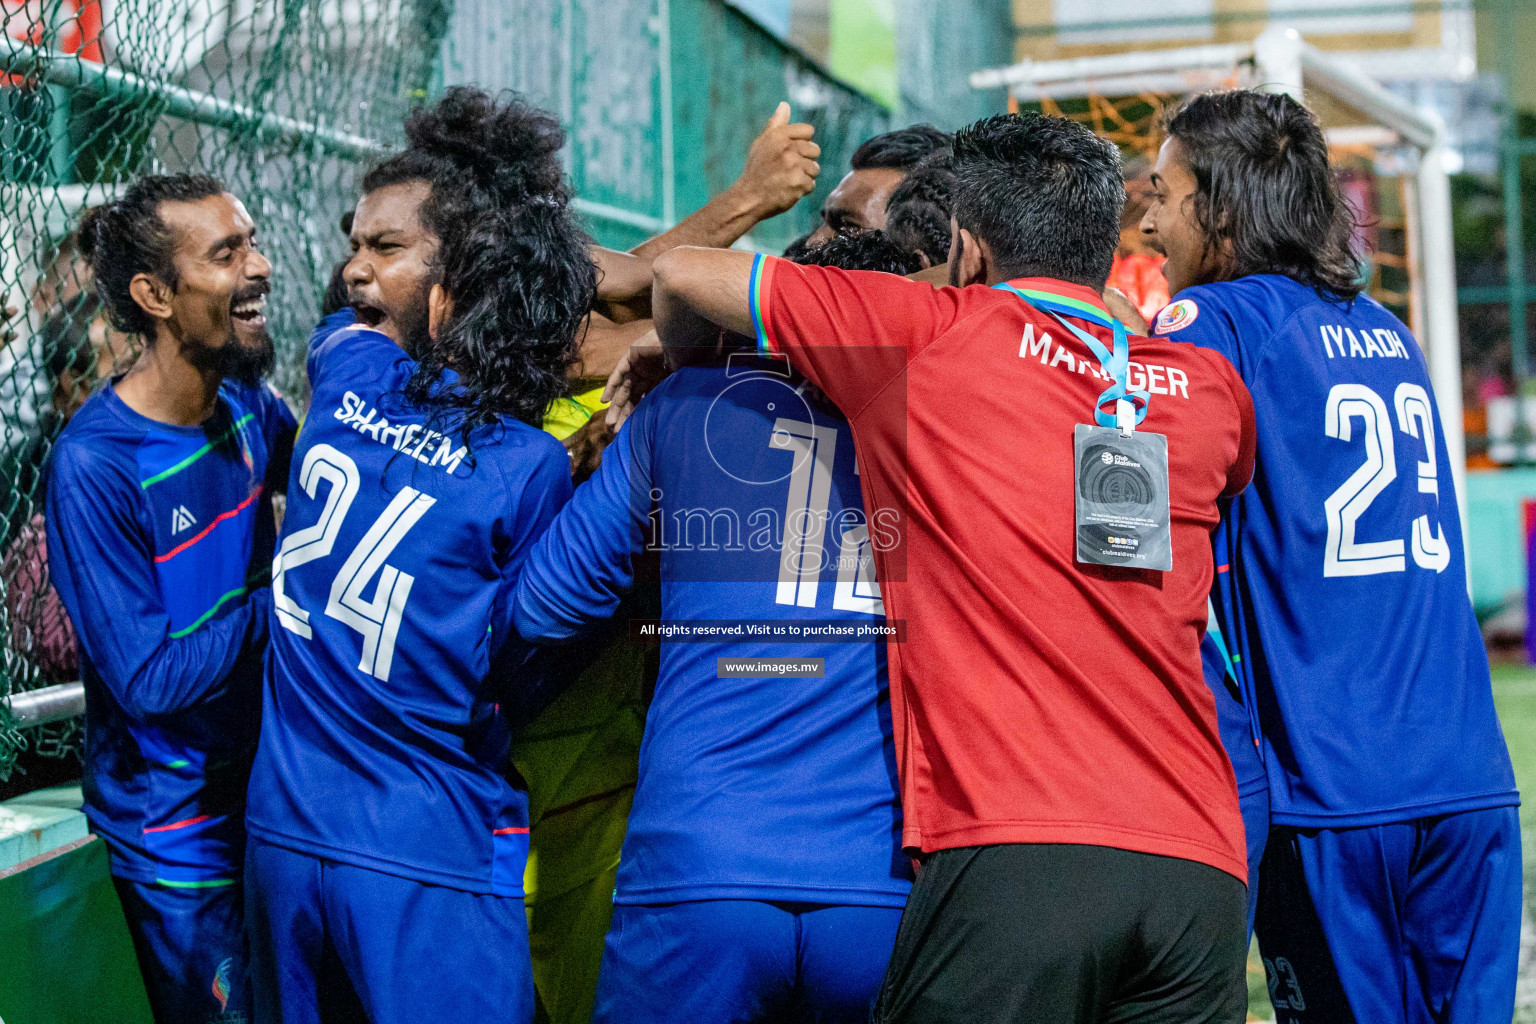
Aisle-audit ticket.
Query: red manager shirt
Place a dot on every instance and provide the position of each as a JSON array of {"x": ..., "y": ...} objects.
[{"x": 1035, "y": 700}]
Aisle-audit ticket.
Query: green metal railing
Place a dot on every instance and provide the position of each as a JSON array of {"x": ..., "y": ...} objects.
[{"x": 288, "y": 102}]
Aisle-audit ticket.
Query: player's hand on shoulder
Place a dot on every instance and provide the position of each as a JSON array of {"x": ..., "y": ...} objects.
[
  {"x": 1123, "y": 309},
  {"x": 781, "y": 166},
  {"x": 641, "y": 369}
]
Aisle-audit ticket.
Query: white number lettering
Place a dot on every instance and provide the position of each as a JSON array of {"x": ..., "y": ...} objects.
[
  {"x": 805, "y": 526},
  {"x": 1344, "y": 556},
  {"x": 857, "y": 590},
  {"x": 805, "y": 510},
  {"x": 378, "y": 619},
  {"x": 1429, "y": 547},
  {"x": 321, "y": 463}
]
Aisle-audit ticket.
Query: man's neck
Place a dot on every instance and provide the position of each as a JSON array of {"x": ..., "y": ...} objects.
[{"x": 165, "y": 387}]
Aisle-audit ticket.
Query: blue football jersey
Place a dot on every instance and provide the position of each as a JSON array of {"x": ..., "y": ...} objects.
[
  {"x": 1232, "y": 718},
  {"x": 159, "y": 543},
  {"x": 384, "y": 742},
  {"x": 751, "y": 787},
  {"x": 1341, "y": 578}
]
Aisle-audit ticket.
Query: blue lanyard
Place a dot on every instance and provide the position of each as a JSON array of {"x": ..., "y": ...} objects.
[{"x": 1116, "y": 364}]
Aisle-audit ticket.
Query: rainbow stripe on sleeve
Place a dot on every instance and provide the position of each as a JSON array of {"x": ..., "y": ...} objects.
[{"x": 757, "y": 295}]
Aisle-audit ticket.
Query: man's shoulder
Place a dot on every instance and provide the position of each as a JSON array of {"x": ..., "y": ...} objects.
[
  {"x": 522, "y": 451},
  {"x": 339, "y": 336},
  {"x": 690, "y": 380},
  {"x": 1368, "y": 309},
  {"x": 691, "y": 385},
  {"x": 1259, "y": 303},
  {"x": 97, "y": 445},
  {"x": 261, "y": 399},
  {"x": 99, "y": 429}
]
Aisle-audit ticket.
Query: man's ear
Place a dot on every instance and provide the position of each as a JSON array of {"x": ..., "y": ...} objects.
[
  {"x": 439, "y": 310},
  {"x": 152, "y": 295},
  {"x": 969, "y": 259}
]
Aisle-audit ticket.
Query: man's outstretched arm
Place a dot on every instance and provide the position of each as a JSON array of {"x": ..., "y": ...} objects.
[
  {"x": 848, "y": 332},
  {"x": 623, "y": 284},
  {"x": 781, "y": 169},
  {"x": 602, "y": 344},
  {"x": 697, "y": 294}
]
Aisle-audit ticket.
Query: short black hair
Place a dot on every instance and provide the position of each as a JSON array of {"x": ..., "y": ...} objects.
[
  {"x": 1265, "y": 190},
  {"x": 866, "y": 250},
  {"x": 917, "y": 215},
  {"x": 900, "y": 150},
  {"x": 1043, "y": 192},
  {"x": 797, "y": 250},
  {"x": 511, "y": 255},
  {"x": 125, "y": 237}
]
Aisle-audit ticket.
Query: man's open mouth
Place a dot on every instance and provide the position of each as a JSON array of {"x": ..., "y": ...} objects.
[
  {"x": 368, "y": 316},
  {"x": 249, "y": 310}
]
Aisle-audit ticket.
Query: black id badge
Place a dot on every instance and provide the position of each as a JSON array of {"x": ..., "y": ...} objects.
[{"x": 1121, "y": 484}]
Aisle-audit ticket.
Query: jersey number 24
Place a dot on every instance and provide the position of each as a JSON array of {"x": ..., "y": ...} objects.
[
  {"x": 377, "y": 618},
  {"x": 1344, "y": 555}
]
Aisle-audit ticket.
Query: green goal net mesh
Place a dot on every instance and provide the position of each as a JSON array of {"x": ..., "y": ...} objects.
[{"x": 286, "y": 101}]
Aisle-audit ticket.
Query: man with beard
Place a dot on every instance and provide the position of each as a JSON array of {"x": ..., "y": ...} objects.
[
  {"x": 160, "y": 538},
  {"x": 877, "y": 168},
  {"x": 380, "y": 794},
  {"x": 579, "y": 759},
  {"x": 1080, "y": 754}
]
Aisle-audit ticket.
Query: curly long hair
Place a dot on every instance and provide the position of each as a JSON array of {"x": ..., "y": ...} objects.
[
  {"x": 1265, "y": 187},
  {"x": 511, "y": 255}
]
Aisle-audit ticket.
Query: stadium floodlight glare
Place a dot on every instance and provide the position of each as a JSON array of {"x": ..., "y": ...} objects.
[{"x": 1281, "y": 59}]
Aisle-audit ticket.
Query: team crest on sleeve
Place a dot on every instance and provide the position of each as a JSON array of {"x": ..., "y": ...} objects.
[{"x": 1176, "y": 316}]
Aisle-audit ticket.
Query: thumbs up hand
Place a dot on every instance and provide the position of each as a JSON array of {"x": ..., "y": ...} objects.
[{"x": 781, "y": 166}]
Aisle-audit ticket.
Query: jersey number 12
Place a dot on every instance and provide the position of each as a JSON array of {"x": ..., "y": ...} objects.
[
  {"x": 377, "y": 618},
  {"x": 1344, "y": 555},
  {"x": 805, "y": 525}
]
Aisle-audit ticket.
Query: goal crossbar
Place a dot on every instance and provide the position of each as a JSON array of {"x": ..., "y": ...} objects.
[{"x": 1280, "y": 59}]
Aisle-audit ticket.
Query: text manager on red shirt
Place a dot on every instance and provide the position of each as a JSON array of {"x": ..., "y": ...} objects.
[{"x": 1061, "y": 771}]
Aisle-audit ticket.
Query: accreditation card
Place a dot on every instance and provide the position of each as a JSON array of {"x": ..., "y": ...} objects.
[{"x": 1121, "y": 485}]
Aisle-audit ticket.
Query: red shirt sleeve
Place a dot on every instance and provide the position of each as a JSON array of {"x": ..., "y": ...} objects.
[
  {"x": 1241, "y": 473},
  {"x": 849, "y": 332}
]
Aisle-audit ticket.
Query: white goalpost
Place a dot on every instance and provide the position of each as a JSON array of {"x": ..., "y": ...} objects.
[{"x": 1280, "y": 59}]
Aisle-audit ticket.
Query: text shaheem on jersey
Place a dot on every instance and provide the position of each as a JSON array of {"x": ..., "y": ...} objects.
[{"x": 390, "y": 667}]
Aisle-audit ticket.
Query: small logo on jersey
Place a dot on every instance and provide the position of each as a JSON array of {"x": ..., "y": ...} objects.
[
  {"x": 764, "y": 391},
  {"x": 181, "y": 519},
  {"x": 1176, "y": 316},
  {"x": 221, "y": 981}
]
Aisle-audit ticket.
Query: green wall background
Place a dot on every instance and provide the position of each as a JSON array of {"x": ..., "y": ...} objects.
[{"x": 661, "y": 99}]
